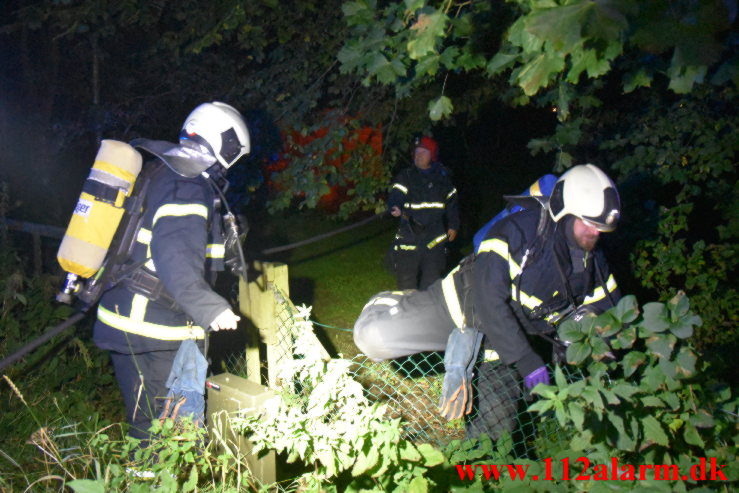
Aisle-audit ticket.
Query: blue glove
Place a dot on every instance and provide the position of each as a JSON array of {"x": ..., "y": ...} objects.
[
  {"x": 459, "y": 360},
  {"x": 186, "y": 385},
  {"x": 540, "y": 375}
]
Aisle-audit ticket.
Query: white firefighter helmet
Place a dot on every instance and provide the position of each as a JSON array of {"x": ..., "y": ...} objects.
[
  {"x": 220, "y": 128},
  {"x": 586, "y": 192}
]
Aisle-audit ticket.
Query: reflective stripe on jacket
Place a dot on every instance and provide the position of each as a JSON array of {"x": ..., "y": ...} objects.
[
  {"x": 502, "y": 292},
  {"x": 182, "y": 244},
  {"x": 428, "y": 200}
]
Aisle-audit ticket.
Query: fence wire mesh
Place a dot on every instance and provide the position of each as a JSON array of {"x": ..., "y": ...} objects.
[{"x": 411, "y": 388}]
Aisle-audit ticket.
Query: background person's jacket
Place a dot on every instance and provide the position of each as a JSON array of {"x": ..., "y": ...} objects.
[
  {"x": 182, "y": 243},
  {"x": 427, "y": 199}
]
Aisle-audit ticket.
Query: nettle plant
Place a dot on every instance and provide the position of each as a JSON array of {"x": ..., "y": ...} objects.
[
  {"x": 322, "y": 418},
  {"x": 644, "y": 399}
]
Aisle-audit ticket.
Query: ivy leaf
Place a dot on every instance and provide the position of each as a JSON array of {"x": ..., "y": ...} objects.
[
  {"x": 577, "y": 352},
  {"x": 653, "y": 431},
  {"x": 655, "y": 318},
  {"x": 440, "y": 108}
]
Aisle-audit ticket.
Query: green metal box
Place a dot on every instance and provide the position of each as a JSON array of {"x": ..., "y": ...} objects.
[{"x": 229, "y": 394}]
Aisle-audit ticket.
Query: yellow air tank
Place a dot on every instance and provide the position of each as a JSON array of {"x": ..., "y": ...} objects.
[{"x": 99, "y": 209}]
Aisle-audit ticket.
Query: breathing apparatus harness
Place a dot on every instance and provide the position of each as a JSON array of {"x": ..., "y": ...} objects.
[{"x": 117, "y": 268}]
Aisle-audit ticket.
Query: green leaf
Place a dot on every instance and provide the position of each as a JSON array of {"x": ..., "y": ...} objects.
[
  {"x": 559, "y": 377},
  {"x": 626, "y": 338},
  {"x": 561, "y": 26},
  {"x": 685, "y": 362},
  {"x": 440, "y": 108},
  {"x": 431, "y": 456},
  {"x": 627, "y": 309},
  {"x": 429, "y": 26},
  {"x": 409, "y": 453},
  {"x": 87, "y": 486},
  {"x": 655, "y": 318},
  {"x": 537, "y": 73},
  {"x": 641, "y": 78},
  {"x": 576, "y": 414},
  {"x": 652, "y": 401},
  {"x": 500, "y": 62},
  {"x": 582, "y": 441},
  {"x": 419, "y": 484},
  {"x": 632, "y": 361},
  {"x": 679, "y": 306},
  {"x": 577, "y": 352},
  {"x": 692, "y": 436},
  {"x": 366, "y": 460},
  {"x": 702, "y": 419},
  {"x": 683, "y": 328},
  {"x": 653, "y": 431},
  {"x": 593, "y": 397},
  {"x": 569, "y": 331},
  {"x": 662, "y": 344}
]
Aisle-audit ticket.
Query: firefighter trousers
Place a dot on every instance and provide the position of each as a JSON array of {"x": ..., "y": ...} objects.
[{"x": 417, "y": 269}]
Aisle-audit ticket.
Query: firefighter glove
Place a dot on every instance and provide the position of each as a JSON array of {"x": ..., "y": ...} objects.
[
  {"x": 540, "y": 375},
  {"x": 459, "y": 360}
]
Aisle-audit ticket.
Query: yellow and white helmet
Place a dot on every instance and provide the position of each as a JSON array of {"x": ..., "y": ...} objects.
[
  {"x": 220, "y": 128},
  {"x": 586, "y": 192}
]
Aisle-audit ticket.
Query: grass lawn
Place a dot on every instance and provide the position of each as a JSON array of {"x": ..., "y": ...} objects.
[{"x": 336, "y": 275}]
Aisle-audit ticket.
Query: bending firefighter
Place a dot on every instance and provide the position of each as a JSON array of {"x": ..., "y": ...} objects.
[
  {"x": 533, "y": 268},
  {"x": 167, "y": 297},
  {"x": 425, "y": 200}
]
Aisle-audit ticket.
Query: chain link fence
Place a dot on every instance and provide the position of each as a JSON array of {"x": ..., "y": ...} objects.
[{"x": 411, "y": 389}]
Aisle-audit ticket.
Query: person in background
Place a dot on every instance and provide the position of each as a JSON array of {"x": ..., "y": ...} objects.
[{"x": 426, "y": 201}]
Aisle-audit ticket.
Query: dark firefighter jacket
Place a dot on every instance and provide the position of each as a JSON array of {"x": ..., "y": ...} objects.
[
  {"x": 507, "y": 303},
  {"x": 182, "y": 244},
  {"x": 426, "y": 199}
]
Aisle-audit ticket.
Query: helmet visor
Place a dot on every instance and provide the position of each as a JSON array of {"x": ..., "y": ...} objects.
[
  {"x": 608, "y": 218},
  {"x": 231, "y": 147}
]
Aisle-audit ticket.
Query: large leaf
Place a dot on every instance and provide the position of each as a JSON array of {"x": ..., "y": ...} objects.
[
  {"x": 627, "y": 309},
  {"x": 577, "y": 352},
  {"x": 440, "y": 108},
  {"x": 653, "y": 431},
  {"x": 632, "y": 361},
  {"x": 662, "y": 344},
  {"x": 560, "y": 25},
  {"x": 538, "y": 72},
  {"x": 656, "y": 318}
]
